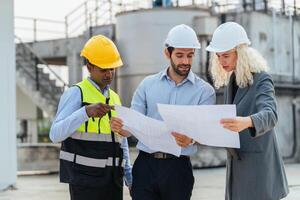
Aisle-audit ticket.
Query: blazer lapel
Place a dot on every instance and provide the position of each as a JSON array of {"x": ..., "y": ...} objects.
[
  {"x": 229, "y": 100},
  {"x": 228, "y": 91},
  {"x": 241, "y": 92}
]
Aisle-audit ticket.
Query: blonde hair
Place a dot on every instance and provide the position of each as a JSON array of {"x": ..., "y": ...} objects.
[{"x": 249, "y": 61}]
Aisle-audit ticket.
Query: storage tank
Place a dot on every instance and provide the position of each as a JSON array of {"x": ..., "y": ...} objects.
[{"x": 140, "y": 36}]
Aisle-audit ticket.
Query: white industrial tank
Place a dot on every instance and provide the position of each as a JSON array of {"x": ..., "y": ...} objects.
[{"x": 140, "y": 37}]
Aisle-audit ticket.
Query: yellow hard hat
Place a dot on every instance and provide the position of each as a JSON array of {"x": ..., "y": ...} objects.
[{"x": 102, "y": 52}]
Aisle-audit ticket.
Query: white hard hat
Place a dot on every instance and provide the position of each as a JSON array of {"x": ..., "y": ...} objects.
[
  {"x": 227, "y": 36},
  {"x": 182, "y": 36}
]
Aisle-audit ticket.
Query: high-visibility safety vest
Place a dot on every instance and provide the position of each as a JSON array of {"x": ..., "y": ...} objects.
[{"x": 93, "y": 156}]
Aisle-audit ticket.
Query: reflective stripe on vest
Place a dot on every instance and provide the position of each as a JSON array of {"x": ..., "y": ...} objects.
[
  {"x": 90, "y": 162},
  {"x": 94, "y": 137}
]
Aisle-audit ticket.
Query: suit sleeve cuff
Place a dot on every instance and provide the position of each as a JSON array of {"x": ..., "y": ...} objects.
[{"x": 253, "y": 130}]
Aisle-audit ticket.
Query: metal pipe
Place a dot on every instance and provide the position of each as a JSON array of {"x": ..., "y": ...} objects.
[
  {"x": 40, "y": 19},
  {"x": 292, "y": 46},
  {"x": 266, "y": 6},
  {"x": 66, "y": 27},
  {"x": 37, "y": 83},
  {"x": 295, "y": 8},
  {"x": 203, "y": 41},
  {"x": 295, "y": 143},
  {"x": 77, "y": 8},
  {"x": 110, "y": 11},
  {"x": 253, "y": 5},
  {"x": 96, "y": 11},
  {"x": 34, "y": 29},
  {"x": 283, "y": 7},
  {"x": 86, "y": 15},
  {"x": 274, "y": 38}
]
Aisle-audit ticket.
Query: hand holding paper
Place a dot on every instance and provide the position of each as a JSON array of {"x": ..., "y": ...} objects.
[
  {"x": 151, "y": 132},
  {"x": 202, "y": 123}
]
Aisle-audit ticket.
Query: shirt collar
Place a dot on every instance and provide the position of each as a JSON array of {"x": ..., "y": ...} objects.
[
  {"x": 96, "y": 86},
  {"x": 190, "y": 77}
]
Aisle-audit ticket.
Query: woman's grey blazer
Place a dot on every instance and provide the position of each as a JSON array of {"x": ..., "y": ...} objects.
[{"x": 259, "y": 174}]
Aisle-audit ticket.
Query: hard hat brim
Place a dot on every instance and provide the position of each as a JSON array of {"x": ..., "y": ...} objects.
[
  {"x": 183, "y": 47},
  {"x": 215, "y": 50},
  {"x": 116, "y": 64},
  {"x": 210, "y": 48}
]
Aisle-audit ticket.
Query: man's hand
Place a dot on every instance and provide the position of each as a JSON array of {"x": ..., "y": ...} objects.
[
  {"x": 237, "y": 124},
  {"x": 116, "y": 125},
  {"x": 182, "y": 140},
  {"x": 97, "y": 110}
]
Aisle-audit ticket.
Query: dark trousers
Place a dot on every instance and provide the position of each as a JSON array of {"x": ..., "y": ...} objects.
[
  {"x": 95, "y": 193},
  {"x": 162, "y": 179}
]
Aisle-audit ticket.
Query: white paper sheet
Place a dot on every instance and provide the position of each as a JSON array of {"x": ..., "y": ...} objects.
[
  {"x": 202, "y": 123},
  {"x": 151, "y": 132}
]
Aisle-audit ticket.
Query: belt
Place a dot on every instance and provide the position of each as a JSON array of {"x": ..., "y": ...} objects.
[{"x": 161, "y": 155}]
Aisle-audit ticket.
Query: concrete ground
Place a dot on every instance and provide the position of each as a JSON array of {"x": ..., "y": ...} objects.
[{"x": 209, "y": 185}]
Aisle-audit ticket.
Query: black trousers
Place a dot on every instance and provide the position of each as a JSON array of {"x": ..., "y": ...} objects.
[
  {"x": 162, "y": 179},
  {"x": 95, "y": 193}
]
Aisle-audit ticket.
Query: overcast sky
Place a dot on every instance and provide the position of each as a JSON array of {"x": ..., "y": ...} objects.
[{"x": 49, "y": 9}]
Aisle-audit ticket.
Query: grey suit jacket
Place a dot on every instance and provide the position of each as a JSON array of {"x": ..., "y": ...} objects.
[{"x": 259, "y": 174}]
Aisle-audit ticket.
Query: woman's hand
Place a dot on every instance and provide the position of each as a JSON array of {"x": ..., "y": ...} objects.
[{"x": 237, "y": 124}]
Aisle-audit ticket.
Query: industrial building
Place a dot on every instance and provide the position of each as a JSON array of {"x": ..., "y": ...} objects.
[{"x": 46, "y": 66}]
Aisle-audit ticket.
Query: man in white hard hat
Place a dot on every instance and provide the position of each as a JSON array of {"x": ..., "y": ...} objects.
[{"x": 158, "y": 175}]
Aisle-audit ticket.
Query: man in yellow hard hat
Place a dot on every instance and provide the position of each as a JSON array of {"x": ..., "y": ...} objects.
[{"x": 93, "y": 159}]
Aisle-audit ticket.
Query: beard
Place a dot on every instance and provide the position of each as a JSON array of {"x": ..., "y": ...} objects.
[{"x": 181, "y": 69}]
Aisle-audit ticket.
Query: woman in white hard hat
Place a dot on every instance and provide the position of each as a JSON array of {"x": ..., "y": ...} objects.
[{"x": 255, "y": 171}]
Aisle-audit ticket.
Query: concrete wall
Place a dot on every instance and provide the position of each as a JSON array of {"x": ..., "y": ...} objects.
[
  {"x": 27, "y": 110},
  {"x": 297, "y": 126},
  {"x": 272, "y": 36},
  {"x": 140, "y": 36},
  {"x": 8, "y": 164},
  {"x": 38, "y": 157},
  {"x": 285, "y": 127}
]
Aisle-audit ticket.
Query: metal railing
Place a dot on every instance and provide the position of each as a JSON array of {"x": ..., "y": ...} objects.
[
  {"x": 34, "y": 29},
  {"x": 88, "y": 14},
  {"x": 100, "y": 12},
  {"x": 39, "y": 63}
]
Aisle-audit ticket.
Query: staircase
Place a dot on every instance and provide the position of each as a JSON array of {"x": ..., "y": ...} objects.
[
  {"x": 33, "y": 73},
  {"x": 33, "y": 81}
]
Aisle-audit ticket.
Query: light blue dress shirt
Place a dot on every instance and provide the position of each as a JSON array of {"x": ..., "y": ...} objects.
[
  {"x": 70, "y": 115},
  {"x": 159, "y": 88}
]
